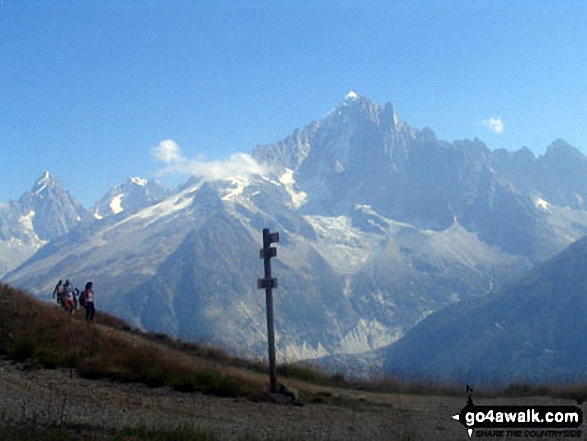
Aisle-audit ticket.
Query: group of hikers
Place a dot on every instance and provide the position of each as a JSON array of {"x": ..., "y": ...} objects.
[{"x": 69, "y": 297}]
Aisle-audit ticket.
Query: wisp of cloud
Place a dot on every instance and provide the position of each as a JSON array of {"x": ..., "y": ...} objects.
[
  {"x": 168, "y": 152},
  {"x": 495, "y": 124},
  {"x": 239, "y": 165}
]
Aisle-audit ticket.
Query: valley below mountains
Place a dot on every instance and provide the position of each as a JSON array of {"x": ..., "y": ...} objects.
[{"x": 381, "y": 225}]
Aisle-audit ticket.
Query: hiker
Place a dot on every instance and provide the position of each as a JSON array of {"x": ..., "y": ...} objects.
[
  {"x": 81, "y": 297},
  {"x": 77, "y": 298},
  {"x": 68, "y": 297},
  {"x": 58, "y": 291},
  {"x": 88, "y": 295}
]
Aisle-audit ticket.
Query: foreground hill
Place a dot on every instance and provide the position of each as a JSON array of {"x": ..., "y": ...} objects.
[
  {"x": 112, "y": 387},
  {"x": 533, "y": 330}
]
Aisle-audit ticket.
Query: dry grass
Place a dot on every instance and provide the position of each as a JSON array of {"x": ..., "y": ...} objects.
[{"x": 38, "y": 334}]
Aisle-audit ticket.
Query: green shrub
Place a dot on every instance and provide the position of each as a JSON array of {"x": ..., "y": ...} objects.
[
  {"x": 215, "y": 383},
  {"x": 337, "y": 379},
  {"x": 49, "y": 360},
  {"x": 23, "y": 350},
  {"x": 310, "y": 374},
  {"x": 93, "y": 369},
  {"x": 154, "y": 375},
  {"x": 184, "y": 384}
]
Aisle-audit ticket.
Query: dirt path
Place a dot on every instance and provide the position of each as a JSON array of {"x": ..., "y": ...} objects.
[
  {"x": 45, "y": 397},
  {"x": 48, "y": 397}
]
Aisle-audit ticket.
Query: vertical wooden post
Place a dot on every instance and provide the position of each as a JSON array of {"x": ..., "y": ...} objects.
[
  {"x": 271, "y": 340},
  {"x": 268, "y": 283}
]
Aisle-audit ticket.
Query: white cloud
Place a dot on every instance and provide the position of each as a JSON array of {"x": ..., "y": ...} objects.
[
  {"x": 239, "y": 165},
  {"x": 495, "y": 124},
  {"x": 168, "y": 152}
]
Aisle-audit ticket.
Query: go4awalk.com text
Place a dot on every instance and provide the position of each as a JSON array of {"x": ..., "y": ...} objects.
[{"x": 521, "y": 421}]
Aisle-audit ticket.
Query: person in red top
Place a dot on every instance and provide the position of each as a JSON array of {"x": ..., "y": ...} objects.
[{"x": 89, "y": 298}]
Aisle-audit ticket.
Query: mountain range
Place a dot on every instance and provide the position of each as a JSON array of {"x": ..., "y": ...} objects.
[
  {"x": 530, "y": 331},
  {"x": 381, "y": 225}
]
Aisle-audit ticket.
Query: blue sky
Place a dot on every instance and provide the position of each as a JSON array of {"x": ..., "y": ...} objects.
[{"x": 88, "y": 88}]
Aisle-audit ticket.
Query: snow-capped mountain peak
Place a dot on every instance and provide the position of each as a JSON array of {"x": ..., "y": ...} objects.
[
  {"x": 139, "y": 181},
  {"x": 129, "y": 197},
  {"x": 352, "y": 95},
  {"x": 45, "y": 181},
  {"x": 42, "y": 214},
  {"x": 46, "y": 177}
]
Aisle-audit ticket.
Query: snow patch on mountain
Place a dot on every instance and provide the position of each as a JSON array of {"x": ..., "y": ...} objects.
[
  {"x": 116, "y": 204},
  {"x": 541, "y": 203},
  {"x": 345, "y": 247},
  {"x": 292, "y": 352},
  {"x": 335, "y": 230},
  {"x": 27, "y": 221},
  {"x": 238, "y": 185},
  {"x": 298, "y": 197},
  {"x": 173, "y": 204},
  {"x": 42, "y": 184},
  {"x": 347, "y": 291},
  {"x": 351, "y": 96},
  {"x": 139, "y": 181},
  {"x": 40, "y": 189},
  {"x": 129, "y": 197}
]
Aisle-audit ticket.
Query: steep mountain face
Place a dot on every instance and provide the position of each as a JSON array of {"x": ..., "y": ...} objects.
[
  {"x": 532, "y": 330},
  {"x": 55, "y": 210},
  {"x": 380, "y": 225},
  {"x": 40, "y": 215},
  {"x": 362, "y": 153},
  {"x": 559, "y": 176},
  {"x": 346, "y": 158},
  {"x": 129, "y": 197},
  {"x": 567, "y": 167}
]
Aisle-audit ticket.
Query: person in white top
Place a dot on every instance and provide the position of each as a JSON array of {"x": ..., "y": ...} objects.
[
  {"x": 89, "y": 298},
  {"x": 68, "y": 299}
]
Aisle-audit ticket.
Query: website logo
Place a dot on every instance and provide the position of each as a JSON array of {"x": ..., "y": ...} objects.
[{"x": 520, "y": 421}]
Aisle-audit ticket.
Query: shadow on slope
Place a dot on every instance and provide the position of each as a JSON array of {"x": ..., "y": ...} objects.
[{"x": 532, "y": 331}]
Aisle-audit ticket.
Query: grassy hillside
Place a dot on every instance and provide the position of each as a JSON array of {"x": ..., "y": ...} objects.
[
  {"x": 40, "y": 335},
  {"x": 40, "y": 338}
]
